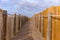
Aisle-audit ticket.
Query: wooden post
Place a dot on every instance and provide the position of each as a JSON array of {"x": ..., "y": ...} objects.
[
  {"x": 12, "y": 26},
  {"x": 20, "y": 21},
  {"x": 39, "y": 22},
  {"x": 8, "y": 28},
  {"x": 1, "y": 24},
  {"x": 17, "y": 23},
  {"x": 42, "y": 23},
  {"x": 4, "y": 13},
  {"x": 49, "y": 28},
  {"x": 34, "y": 21}
]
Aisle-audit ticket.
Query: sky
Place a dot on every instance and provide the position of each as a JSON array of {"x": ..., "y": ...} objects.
[{"x": 27, "y": 7}]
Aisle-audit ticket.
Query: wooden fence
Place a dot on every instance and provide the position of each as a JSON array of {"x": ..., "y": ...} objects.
[
  {"x": 10, "y": 24},
  {"x": 47, "y": 22},
  {"x": 47, "y": 25}
]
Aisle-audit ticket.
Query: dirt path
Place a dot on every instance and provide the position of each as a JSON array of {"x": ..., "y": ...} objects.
[{"x": 28, "y": 32}]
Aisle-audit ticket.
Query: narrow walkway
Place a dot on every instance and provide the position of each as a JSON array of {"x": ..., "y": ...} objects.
[{"x": 26, "y": 33}]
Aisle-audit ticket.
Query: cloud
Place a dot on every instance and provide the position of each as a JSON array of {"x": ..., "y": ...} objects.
[
  {"x": 4, "y": 1},
  {"x": 27, "y": 7}
]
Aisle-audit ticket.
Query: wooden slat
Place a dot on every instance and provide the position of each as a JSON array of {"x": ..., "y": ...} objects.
[{"x": 49, "y": 28}]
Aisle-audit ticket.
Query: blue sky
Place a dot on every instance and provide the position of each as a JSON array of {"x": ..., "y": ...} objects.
[{"x": 27, "y": 7}]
